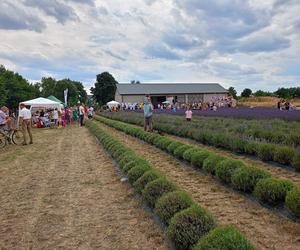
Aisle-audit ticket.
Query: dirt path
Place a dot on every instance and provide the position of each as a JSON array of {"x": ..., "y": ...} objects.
[
  {"x": 67, "y": 195},
  {"x": 263, "y": 227}
]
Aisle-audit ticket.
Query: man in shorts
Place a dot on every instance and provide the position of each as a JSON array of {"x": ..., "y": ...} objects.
[{"x": 148, "y": 112}]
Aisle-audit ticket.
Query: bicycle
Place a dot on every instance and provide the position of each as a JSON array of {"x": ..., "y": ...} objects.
[{"x": 8, "y": 136}]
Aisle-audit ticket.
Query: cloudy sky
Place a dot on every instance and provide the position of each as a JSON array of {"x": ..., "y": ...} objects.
[{"x": 241, "y": 43}]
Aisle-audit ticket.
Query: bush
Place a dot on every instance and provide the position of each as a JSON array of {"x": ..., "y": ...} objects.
[
  {"x": 171, "y": 203},
  {"x": 272, "y": 191},
  {"x": 189, "y": 225},
  {"x": 284, "y": 155},
  {"x": 226, "y": 168},
  {"x": 210, "y": 163},
  {"x": 147, "y": 177},
  {"x": 126, "y": 159},
  {"x": 181, "y": 150},
  {"x": 292, "y": 201},
  {"x": 163, "y": 143},
  {"x": 245, "y": 178},
  {"x": 199, "y": 156},
  {"x": 251, "y": 148},
  {"x": 174, "y": 145},
  {"x": 296, "y": 161},
  {"x": 134, "y": 163},
  {"x": 136, "y": 172},
  {"x": 187, "y": 155},
  {"x": 265, "y": 151},
  {"x": 224, "y": 238},
  {"x": 155, "y": 189},
  {"x": 237, "y": 144}
]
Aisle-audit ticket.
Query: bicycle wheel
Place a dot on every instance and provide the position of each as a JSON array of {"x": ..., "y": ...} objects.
[
  {"x": 17, "y": 137},
  {"x": 2, "y": 140}
]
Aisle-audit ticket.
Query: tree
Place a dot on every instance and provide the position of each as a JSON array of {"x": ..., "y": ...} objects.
[
  {"x": 246, "y": 93},
  {"x": 135, "y": 82},
  {"x": 15, "y": 88},
  {"x": 288, "y": 93},
  {"x": 259, "y": 93},
  {"x": 232, "y": 92},
  {"x": 105, "y": 88}
]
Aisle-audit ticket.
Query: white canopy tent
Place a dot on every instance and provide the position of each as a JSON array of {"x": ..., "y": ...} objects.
[
  {"x": 113, "y": 104},
  {"x": 42, "y": 103}
]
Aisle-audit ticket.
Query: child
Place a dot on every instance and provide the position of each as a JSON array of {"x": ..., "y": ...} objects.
[{"x": 188, "y": 114}]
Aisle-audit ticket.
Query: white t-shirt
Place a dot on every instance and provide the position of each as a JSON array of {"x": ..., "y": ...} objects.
[
  {"x": 55, "y": 115},
  {"x": 25, "y": 114},
  {"x": 81, "y": 110}
]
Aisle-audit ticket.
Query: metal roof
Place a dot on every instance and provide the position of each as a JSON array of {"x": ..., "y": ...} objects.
[{"x": 169, "y": 88}]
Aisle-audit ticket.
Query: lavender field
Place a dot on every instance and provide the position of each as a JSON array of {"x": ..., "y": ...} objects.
[{"x": 250, "y": 113}]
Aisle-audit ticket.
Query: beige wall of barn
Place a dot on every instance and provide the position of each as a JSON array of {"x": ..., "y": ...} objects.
[{"x": 129, "y": 98}]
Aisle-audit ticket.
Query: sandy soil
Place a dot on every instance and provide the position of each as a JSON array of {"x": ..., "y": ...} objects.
[
  {"x": 63, "y": 192},
  {"x": 264, "y": 228}
]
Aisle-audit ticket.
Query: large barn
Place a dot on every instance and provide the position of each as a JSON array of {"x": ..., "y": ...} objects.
[{"x": 160, "y": 92}]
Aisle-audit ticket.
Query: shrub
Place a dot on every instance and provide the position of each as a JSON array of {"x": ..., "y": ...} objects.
[
  {"x": 296, "y": 161},
  {"x": 272, "y": 191},
  {"x": 163, "y": 143},
  {"x": 226, "y": 168},
  {"x": 136, "y": 172},
  {"x": 292, "y": 201},
  {"x": 251, "y": 148},
  {"x": 150, "y": 137},
  {"x": 237, "y": 144},
  {"x": 174, "y": 145},
  {"x": 180, "y": 151},
  {"x": 147, "y": 177},
  {"x": 126, "y": 159},
  {"x": 170, "y": 204},
  {"x": 265, "y": 151},
  {"x": 210, "y": 163},
  {"x": 198, "y": 157},
  {"x": 245, "y": 178},
  {"x": 155, "y": 189},
  {"x": 224, "y": 238},
  {"x": 134, "y": 163},
  {"x": 189, "y": 225},
  {"x": 187, "y": 155},
  {"x": 284, "y": 155}
]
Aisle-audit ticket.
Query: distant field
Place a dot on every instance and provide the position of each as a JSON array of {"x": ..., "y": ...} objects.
[{"x": 264, "y": 101}]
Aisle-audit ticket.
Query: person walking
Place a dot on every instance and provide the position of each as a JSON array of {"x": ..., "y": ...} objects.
[
  {"x": 81, "y": 114},
  {"x": 25, "y": 123},
  {"x": 148, "y": 112}
]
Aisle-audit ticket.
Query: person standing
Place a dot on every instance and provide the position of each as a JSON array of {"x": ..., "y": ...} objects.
[
  {"x": 188, "y": 114},
  {"x": 55, "y": 116},
  {"x": 81, "y": 114},
  {"x": 148, "y": 112},
  {"x": 25, "y": 123}
]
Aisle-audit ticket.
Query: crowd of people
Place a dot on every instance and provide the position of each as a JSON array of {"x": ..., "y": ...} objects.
[
  {"x": 284, "y": 105},
  {"x": 55, "y": 118},
  {"x": 61, "y": 118},
  {"x": 214, "y": 104}
]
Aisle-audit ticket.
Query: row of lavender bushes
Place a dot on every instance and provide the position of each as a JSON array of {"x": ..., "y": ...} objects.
[
  {"x": 266, "y": 151},
  {"x": 246, "y": 178},
  {"x": 189, "y": 226}
]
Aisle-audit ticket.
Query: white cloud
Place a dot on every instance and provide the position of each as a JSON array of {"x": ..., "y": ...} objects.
[{"x": 242, "y": 43}]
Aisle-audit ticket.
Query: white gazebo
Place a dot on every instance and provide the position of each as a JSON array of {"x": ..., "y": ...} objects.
[
  {"x": 42, "y": 103},
  {"x": 113, "y": 104}
]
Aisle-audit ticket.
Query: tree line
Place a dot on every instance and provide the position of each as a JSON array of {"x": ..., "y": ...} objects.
[
  {"x": 14, "y": 89},
  {"x": 285, "y": 93}
]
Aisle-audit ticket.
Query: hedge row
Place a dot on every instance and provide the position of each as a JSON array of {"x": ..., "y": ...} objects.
[
  {"x": 266, "y": 151},
  {"x": 245, "y": 178},
  {"x": 188, "y": 224}
]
